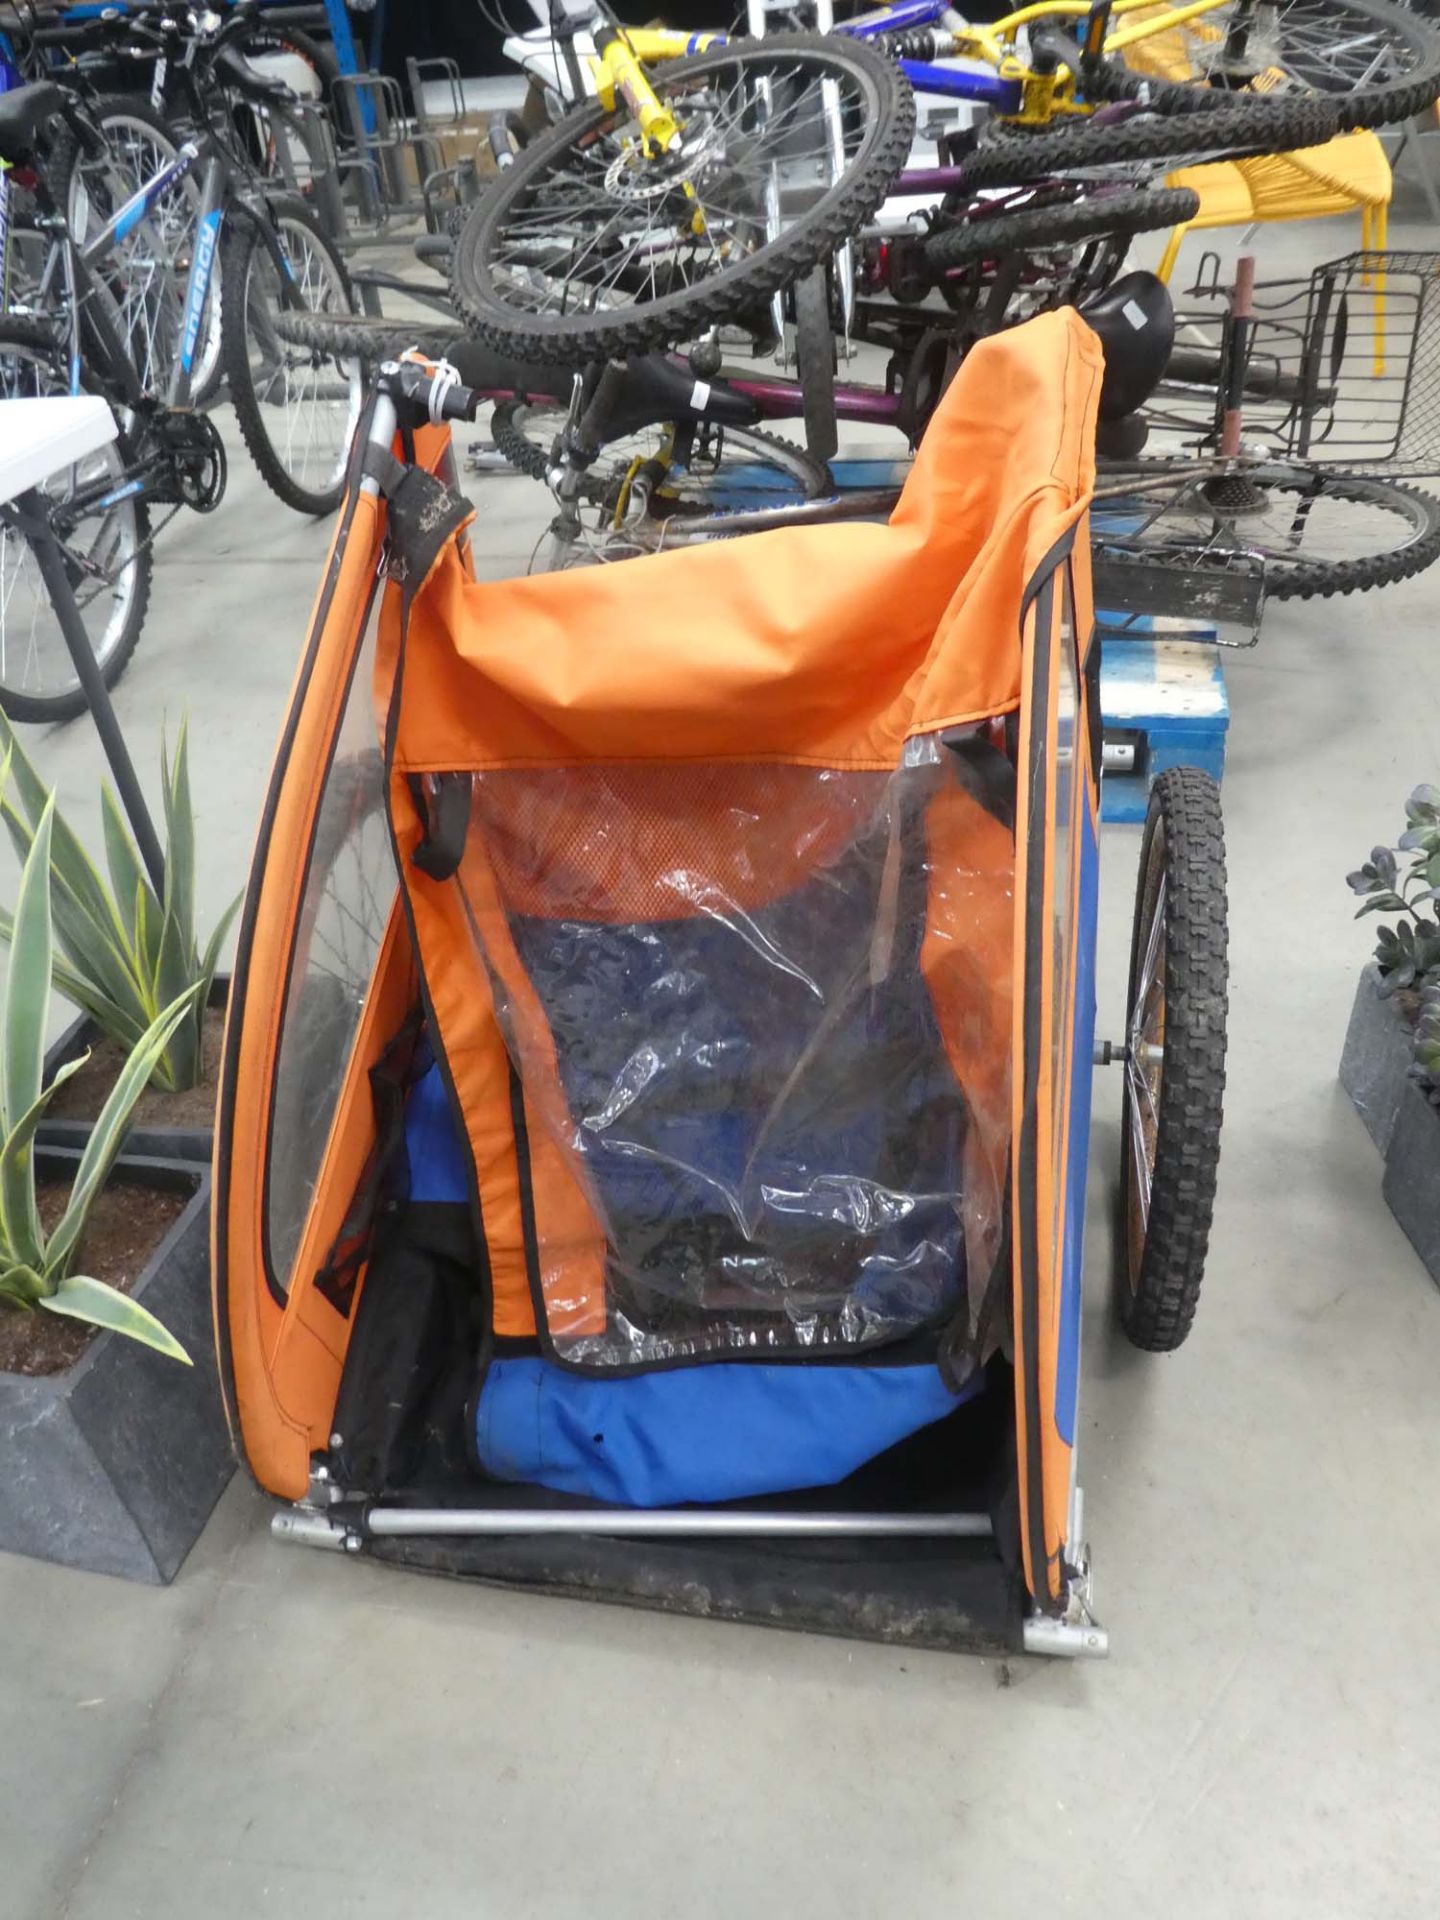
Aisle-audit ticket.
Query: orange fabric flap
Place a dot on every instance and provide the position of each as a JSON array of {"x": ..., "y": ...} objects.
[{"x": 825, "y": 644}]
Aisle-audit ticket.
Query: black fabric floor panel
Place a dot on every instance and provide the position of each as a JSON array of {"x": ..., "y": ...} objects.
[{"x": 949, "y": 1596}]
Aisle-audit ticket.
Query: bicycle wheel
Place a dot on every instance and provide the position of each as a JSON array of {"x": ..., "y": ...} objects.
[
  {"x": 1378, "y": 64},
  {"x": 1175, "y": 1060},
  {"x": 587, "y": 247},
  {"x": 106, "y": 548},
  {"x": 1315, "y": 533},
  {"x": 297, "y": 407},
  {"x": 150, "y": 267},
  {"x": 368, "y": 337},
  {"x": 815, "y": 363},
  {"x": 706, "y": 469},
  {"x": 1275, "y": 124},
  {"x": 651, "y": 487},
  {"x": 988, "y": 233}
]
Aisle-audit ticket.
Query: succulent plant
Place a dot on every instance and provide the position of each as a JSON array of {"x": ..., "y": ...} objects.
[{"x": 1408, "y": 953}]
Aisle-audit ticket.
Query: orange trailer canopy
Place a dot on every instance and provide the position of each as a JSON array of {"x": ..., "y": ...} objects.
[{"x": 792, "y": 739}]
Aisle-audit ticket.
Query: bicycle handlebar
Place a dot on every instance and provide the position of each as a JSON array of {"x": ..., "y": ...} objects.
[{"x": 441, "y": 395}]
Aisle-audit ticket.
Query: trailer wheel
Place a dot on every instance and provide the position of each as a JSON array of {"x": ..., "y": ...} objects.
[{"x": 1175, "y": 1060}]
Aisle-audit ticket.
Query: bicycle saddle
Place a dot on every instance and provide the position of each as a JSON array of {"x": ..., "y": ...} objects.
[
  {"x": 23, "y": 113},
  {"x": 658, "y": 388},
  {"x": 1136, "y": 324},
  {"x": 655, "y": 388}
]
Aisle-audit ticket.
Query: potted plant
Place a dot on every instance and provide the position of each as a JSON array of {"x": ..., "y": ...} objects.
[
  {"x": 1412, "y": 1163},
  {"x": 124, "y": 953},
  {"x": 1379, "y": 1046},
  {"x": 1390, "y": 1066},
  {"x": 111, "y": 1429}
]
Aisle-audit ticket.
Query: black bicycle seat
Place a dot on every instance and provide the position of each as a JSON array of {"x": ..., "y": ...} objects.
[
  {"x": 23, "y": 113},
  {"x": 658, "y": 388},
  {"x": 1136, "y": 324}
]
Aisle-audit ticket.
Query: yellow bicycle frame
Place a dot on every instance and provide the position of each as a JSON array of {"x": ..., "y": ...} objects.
[
  {"x": 1043, "y": 96},
  {"x": 619, "y": 69},
  {"x": 623, "y": 54}
]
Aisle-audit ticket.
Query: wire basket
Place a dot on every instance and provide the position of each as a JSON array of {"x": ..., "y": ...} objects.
[{"x": 1342, "y": 368}]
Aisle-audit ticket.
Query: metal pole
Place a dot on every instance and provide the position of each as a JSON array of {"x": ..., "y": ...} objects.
[
  {"x": 392, "y": 1522},
  {"x": 51, "y": 562}
]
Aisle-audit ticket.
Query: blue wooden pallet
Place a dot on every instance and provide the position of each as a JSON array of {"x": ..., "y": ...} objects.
[{"x": 1161, "y": 681}]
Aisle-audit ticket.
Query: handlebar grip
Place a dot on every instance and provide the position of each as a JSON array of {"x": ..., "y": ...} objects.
[
  {"x": 433, "y": 394},
  {"x": 460, "y": 403}
]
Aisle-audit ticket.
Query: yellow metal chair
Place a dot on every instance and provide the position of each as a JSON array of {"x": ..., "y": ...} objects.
[{"x": 1348, "y": 172}]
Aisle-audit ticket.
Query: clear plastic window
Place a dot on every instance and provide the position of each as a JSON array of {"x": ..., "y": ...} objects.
[
  {"x": 350, "y": 889},
  {"x": 761, "y": 1019}
]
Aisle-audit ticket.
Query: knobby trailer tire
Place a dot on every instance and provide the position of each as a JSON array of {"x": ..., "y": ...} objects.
[{"x": 1183, "y": 845}]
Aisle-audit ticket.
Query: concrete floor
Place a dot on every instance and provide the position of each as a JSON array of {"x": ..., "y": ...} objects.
[{"x": 288, "y": 1733}]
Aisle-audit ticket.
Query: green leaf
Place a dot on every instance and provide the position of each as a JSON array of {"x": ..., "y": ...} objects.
[
  {"x": 74, "y": 869},
  {"x": 20, "y": 831},
  {"x": 22, "y": 1041},
  {"x": 210, "y": 960},
  {"x": 109, "y": 1130},
  {"x": 89, "y": 998},
  {"x": 27, "y": 996},
  {"x": 20, "y": 1229},
  {"x": 180, "y": 843},
  {"x": 91, "y": 951},
  {"x": 127, "y": 874},
  {"x": 21, "y": 1286},
  {"x": 81, "y": 1298}
]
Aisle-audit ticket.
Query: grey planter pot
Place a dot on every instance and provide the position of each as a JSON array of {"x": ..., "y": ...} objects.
[
  {"x": 116, "y": 1465},
  {"x": 1412, "y": 1176},
  {"x": 1375, "y": 1062},
  {"x": 151, "y": 1143}
]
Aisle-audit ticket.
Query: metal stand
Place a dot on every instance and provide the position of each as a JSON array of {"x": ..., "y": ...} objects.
[{"x": 34, "y": 522}]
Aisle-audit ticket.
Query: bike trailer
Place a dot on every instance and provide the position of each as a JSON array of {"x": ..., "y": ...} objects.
[{"x": 653, "y": 1128}]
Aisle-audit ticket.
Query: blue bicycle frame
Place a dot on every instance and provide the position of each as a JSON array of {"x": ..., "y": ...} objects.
[
  {"x": 76, "y": 263},
  {"x": 974, "y": 81}
]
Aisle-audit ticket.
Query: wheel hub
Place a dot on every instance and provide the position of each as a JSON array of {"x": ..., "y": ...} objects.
[{"x": 1234, "y": 495}]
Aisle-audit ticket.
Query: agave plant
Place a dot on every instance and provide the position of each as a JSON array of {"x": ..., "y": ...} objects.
[
  {"x": 124, "y": 953},
  {"x": 35, "y": 1263}
]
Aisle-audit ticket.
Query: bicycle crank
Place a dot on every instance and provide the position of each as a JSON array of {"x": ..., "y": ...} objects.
[{"x": 194, "y": 455}]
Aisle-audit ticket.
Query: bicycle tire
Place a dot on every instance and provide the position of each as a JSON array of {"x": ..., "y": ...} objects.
[
  {"x": 1367, "y": 104},
  {"x": 1163, "y": 1264},
  {"x": 1014, "y": 159},
  {"x": 1289, "y": 576},
  {"x": 1030, "y": 228},
  {"x": 738, "y": 287},
  {"x": 815, "y": 364},
  {"x": 368, "y": 337},
  {"x": 29, "y": 337},
  {"x": 322, "y": 494}
]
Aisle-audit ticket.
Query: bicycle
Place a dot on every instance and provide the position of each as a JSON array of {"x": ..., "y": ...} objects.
[
  {"x": 695, "y": 191},
  {"x": 68, "y": 336}
]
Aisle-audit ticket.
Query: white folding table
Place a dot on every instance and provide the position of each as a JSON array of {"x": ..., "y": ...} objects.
[{"x": 40, "y": 438}]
